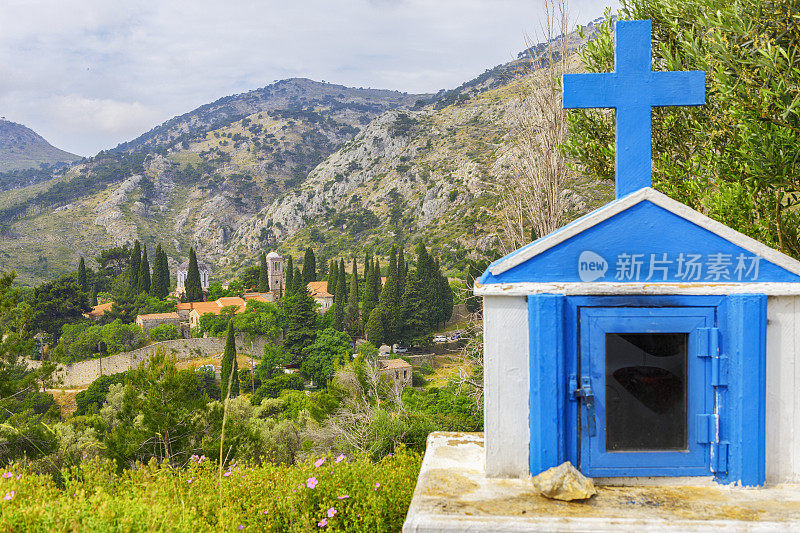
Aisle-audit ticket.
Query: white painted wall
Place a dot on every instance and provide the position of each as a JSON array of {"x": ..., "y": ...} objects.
[
  {"x": 783, "y": 390},
  {"x": 506, "y": 385}
]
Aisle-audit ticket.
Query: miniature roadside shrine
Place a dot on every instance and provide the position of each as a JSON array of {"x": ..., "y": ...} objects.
[{"x": 645, "y": 343}]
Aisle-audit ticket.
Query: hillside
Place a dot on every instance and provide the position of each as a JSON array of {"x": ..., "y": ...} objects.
[
  {"x": 292, "y": 164},
  {"x": 22, "y": 148}
]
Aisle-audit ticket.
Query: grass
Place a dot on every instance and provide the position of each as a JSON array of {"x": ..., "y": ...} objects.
[{"x": 270, "y": 497}]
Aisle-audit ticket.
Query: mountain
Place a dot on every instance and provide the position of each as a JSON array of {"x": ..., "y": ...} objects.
[
  {"x": 22, "y": 148},
  {"x": 293, "y": 164}
]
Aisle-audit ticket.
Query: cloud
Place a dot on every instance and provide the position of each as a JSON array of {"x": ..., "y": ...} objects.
[{"x": 89, "y": 74}]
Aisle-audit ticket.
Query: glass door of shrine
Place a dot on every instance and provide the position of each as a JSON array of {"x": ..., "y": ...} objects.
[{"x": 643, "y": 388}]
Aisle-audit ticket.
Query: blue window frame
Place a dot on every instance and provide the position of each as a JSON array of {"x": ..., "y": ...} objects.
[
  {"x": 648, "y": 414},
  {"x": 733, "y": 358}
]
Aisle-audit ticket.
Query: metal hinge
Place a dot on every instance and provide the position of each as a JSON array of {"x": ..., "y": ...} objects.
[
  {"x": 707, "y": 428},
  {"x": 719, "y": 457},
  {"x": 708, "y": 346}
]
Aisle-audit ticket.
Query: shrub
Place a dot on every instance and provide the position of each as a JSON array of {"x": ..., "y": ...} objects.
[{"x": 164, "y": 332}]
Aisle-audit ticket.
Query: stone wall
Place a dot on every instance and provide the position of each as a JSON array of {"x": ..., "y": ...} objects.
[{"x": 82, "y": 373}]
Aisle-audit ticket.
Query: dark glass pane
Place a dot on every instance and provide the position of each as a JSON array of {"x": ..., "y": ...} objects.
[{"x": 646, "y": 391}]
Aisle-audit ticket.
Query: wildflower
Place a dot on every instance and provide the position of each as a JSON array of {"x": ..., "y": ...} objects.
[
  {"x": 342, "y": 497},
  {"x": 340, "y": 458},
  {"x": 8, "y": 474},
  {"x": 194, "y": 457},
  {"x": 331, "y": 512},
  {"x": 322, "y": 523},
  {"x": 311, "y": 482},
  {"x": 9, "y": 495},
  {"x": 266, "y": 511},
  {"x": 377, "y": 486},
  {"x": 241, "y": 527},
  {"x": 226, "y": 474},
  {"x": 319, "y": 462},
  {"x": 19, "y": 477},
  {"x": 192, "y": 479}
]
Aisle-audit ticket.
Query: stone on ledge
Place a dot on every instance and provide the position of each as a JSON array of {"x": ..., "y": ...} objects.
[{"x": 564, "y": 482}]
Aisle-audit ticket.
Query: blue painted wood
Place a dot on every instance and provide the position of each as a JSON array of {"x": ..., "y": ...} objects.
[
  {"x": 595, "y": 322},
  {"x": 547, "y": 396},
  {"x": 743, "y": 400},
  {"x": 645, "y": 243},
  {"x": 632, "y": 89}
]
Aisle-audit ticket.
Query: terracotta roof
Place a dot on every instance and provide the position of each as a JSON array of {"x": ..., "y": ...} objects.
[
  {"x": 229, "y": 300},
  {"x": 216, "y": 306},
  {"x": 391, "y": 364},
  {"x": 266, "y": 297},
  {"x": 157, "y": 316},
  {"x": 319, "y": 289},
  {"x": 99, "y": 310}
]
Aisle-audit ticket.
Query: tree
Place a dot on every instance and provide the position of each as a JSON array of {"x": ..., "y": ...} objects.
[
  {"x": 389, "y": 303},
  {"x": 289, "y": 274},
  {"x": 735, "y": 158},
  {"x": 414, "y": 319},
  {"x": 444, "y": 298},
  {"x": 330, "y": 350},
  {"x": 375, "y": 329},
  {"x": 402, "y": 271},
  {"x": 93, "y": 301},
  {"x": 194, "y": 291},
  {"x": 230, "y": 365},
  {"x": 333, "y": 277},
  {"x": 309, "y": 266},
  {"x": 133, "y": 268},
  {"x": 165, "y": 276},
  {"x": 155, "y": 278},
  {"x": 339, "y": 303},
  {"x": 82, "y": 281},
  {"x": 144, "y": 272},
  {"x": 54, "y": 304},
  {"x": 263, "y": 274},
  {"x": 352, "y": 319},
  {"x": 114, "y": 261},
  {"x": 297, "y": 281},
  {"x": 370, "y": 297},
  {"x": 301, "y": 328}
]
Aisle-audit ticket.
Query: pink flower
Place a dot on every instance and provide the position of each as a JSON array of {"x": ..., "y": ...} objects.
[
  {"x": 331, "y": 512},
  {"x": 340, "y": 458},
  {"x": 377, "y": 486},
  {"x": 241, "y": 527},
  {"x": 19, "y": 477},
  {"x": 8, "y": 475},
  {"x": 9, "y": 495},
  {"x": 266, "y": 511},
  {"x": 311, "y": 482},
  {"x": 319, "y": 462},
  {"x": 322, "y": 523},
  {"x": 192, "y": 479},
  {"x": 342, "y": 497},
  {"x": 226, "y": 474}
]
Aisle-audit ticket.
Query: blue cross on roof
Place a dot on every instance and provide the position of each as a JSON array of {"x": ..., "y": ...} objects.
[{"x": 632, "y": 89}]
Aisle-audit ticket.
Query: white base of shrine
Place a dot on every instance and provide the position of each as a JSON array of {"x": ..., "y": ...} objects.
[{"x": 453, "y": 494}]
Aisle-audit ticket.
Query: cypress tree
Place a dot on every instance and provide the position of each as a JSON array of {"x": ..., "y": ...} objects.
[
  {"x": 339, "y": 308},
  {"x": 353, "y": 320},
  {"x": 165, "y": 277},
  {"x": 263, "y": 274},
  {"x": 82, "y": 281},
  {"x": 133, "y": 268},
  {"x": 402, "y": 272},
  {"x": 374, "y": 329},
  {"x": 297, "y": 281},
  {"x": 230, "y": 365},
  {"x": 333, "y": 277},
  {"x": 389, "y": 302},
  {"x": 194, "y": 291},
  {"x": 427, "y": 276},
  {"x": 414, "y": 321},
  {"x": 376, "y": 279},
  {"x": 309, "y": 266},
  {"x": 370, "y": 297},
  {"x": 155, "y": 278},
  {"x": 301, "y": 329},
  {"x": 289, "y": 274},
  {"x": 342, "y": 279},
  {"x": 144, "y": 272},
  {"x": 444, "y": 297},
  {"x": 94, "y": 295}
]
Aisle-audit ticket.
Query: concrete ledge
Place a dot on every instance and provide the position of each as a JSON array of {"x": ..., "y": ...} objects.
[{"x": 453, "y": 494}]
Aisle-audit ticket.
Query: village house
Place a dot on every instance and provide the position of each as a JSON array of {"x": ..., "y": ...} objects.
[
  {"x": 396, "y": 371},
  {"x": 149, "y": 321},
  {"x": 318, "y": 291},
  {"x": 194, "y": 310},
  {"x": 266, "y": 297}
]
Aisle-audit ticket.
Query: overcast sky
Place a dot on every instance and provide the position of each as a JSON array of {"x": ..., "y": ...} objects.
[{"x": 89, "y": 74}]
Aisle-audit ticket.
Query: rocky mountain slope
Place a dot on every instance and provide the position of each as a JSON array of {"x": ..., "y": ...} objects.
[
  {"x": 292, "y": 164},
  {"x": 23, "y": 148}
]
